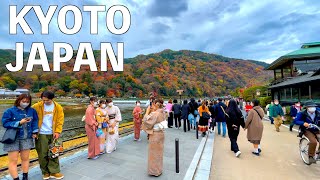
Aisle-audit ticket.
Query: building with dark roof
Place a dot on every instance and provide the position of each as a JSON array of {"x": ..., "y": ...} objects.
[{"x": 297, "y": 75}]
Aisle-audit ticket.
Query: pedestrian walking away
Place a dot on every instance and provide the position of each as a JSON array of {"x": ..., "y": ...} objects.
[
  {"x": 254, "y": 126},
  {"x": 234, "y": 119}
]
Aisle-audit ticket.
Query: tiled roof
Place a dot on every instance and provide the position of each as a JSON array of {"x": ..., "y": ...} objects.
[{"x": 297, "y": 80}]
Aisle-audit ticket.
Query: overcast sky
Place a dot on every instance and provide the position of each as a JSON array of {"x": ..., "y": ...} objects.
[{"x": 248, "y": 29}]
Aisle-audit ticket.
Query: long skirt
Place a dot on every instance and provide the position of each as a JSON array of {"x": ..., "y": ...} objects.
[
  {"x": 137, "y": 127},
  {"x": 112, "y": 139},
  {"x": 93, "y": 142},
  {"x": 103, "y": 140},
  {"x": 155, "y": 159},
  {"x": 203, "y": 125}
]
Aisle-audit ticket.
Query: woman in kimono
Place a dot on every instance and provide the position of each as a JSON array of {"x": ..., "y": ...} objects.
[
  {"x": 102, "y": 118},
  {"x": 113, "y": 126},
  {"x": 137, "y": 112},
  {"x": 155, "y": 130},
  {"x": 91, "y": 127}
]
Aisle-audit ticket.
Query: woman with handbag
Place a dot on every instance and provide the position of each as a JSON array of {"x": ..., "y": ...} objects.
[
  {"x": 154, "y": 123},
  {"x": 102, "y": 118},
  {"x": 137, "y": 118},
  {"x": 22, "y": 121},
  {"x": 204, "y": 117},
  {"x": 91, "y": 128},
  {"x": 234, "y": 119},
  {"x": 254, "y": 125}
]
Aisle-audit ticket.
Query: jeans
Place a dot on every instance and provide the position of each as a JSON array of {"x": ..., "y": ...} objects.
[
  {"x": 271, "y": 119},
  {"x": 224, "y": 128}
]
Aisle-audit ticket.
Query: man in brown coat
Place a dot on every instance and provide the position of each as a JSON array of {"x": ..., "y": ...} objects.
[{"x": 255, "y": 126}]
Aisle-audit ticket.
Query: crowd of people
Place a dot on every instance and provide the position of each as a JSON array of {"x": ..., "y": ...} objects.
[{"x": 41, "y": 124}]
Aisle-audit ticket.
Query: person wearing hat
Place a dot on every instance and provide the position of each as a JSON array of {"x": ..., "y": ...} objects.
[
  {"x": 294, "y": 110},
  {"x": 310, "y": 116}
]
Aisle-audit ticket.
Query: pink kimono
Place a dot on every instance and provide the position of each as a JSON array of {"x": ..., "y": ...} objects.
[
  {"x": 93, "y": 140},
  {"x": 137, "y": 122}
]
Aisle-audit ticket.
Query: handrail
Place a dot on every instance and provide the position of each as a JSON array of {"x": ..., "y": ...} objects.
[{"x": 124, "y": 125}]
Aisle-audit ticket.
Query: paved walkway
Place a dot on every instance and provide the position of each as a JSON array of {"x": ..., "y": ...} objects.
[
  {"x": 279, "y": 159},
  {"x": 129, "y": 161}
]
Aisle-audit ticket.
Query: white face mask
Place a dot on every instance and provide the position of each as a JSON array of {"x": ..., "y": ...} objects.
[
  {"x": 110, "y": 104},
  {"x": 276, "y": 103},
  {"x": 103, "y": 106},
  {"x": 298, "y": 105},
  {"x": 24, "y": 105},
  {"x": 311, "y": 109},
  {"x": 95, "y": 104},
  {"x": 138, "y": 104}
]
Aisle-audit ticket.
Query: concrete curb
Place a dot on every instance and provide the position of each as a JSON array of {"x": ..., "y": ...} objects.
[
  {"x": 204, "y": 166},
  {"x": 195, "y": 161}
]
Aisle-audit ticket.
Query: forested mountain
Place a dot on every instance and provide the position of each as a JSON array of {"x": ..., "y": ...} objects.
[{"x": 198, "y": 73}]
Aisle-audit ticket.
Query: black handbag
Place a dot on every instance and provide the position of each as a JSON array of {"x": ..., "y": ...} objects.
[
  {"x": 9, "y": 136},
  {"x": 206, "y": 115}
]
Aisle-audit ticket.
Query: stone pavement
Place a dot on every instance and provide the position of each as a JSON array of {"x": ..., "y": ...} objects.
[
  {"x": 129, "y": 161},
  {"x": 279, "y": 160}
]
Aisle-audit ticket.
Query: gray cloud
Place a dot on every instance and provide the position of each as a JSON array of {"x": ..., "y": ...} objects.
[
  {"x": 260, "y": 30},
  {"x": 167, "y": 8}
]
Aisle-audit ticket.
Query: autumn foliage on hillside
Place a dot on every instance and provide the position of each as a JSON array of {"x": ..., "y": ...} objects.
[{"x": 197, "y": 73}]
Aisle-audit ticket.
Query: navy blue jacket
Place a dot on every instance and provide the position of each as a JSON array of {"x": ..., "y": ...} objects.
[
  {"x": 176, "y": 108},
  {"x": 220, "y": 116},
  {"x": 185, "y": 110},
  {"x": 12, "y": 116},
  {"x": 293, "y": 111},
  {"x": 303, "y": 117}
]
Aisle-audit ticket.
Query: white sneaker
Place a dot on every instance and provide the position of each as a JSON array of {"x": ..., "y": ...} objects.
[{"x": 238, "y": 154}]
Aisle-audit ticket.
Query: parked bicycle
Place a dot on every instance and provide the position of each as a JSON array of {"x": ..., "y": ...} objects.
[{"x": 304, "y": 146}]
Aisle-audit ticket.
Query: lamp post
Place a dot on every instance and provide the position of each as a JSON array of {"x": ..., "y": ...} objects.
[{"x": 180, "y": 91}]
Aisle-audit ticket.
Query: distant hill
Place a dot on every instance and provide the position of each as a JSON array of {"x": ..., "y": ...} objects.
[{"x": 198, "y": 73}]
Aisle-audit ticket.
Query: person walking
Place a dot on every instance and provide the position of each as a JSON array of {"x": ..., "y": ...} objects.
[
  {"x": 212, "y": 111},
  {"x": 137, "y": 120},
  {"x": 304, "y": 118},
  {"x": 153, "y": 126},
  {"x": 91, "y": 129},
  {"x": 169, "y": 106},
  {"x": 51, "y": 120},
  {"x": 277, "y": 114},
  {"x": 193, "y": 109},
  {"x": 254, "y": 125},
  {"x": 176, "y": 108},
  {"x": 234, "y": 119},
  {"x": 102, "y": 119},
  {"x": 204, "y": 117},
  {"x": 270, "y": 110},
  {"x": 220, "y": 117},
  {"x": 185, "y": 111},
  {"x": 24, "y": 119},
  {"x": 294, "y": 110},
  {"x": 113, "y": 126}
]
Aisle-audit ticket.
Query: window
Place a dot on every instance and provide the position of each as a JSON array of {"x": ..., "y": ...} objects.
[
  {"x": 278, "y": 74},
  {"x": 306, "y": 65},
  {"x": 315, "y": 93},
  {"x": 295, "y": 94},
  {"x": 305, "y": 92}
]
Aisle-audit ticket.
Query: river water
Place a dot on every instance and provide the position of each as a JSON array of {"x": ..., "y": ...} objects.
[{"x": 73, "y": 115}]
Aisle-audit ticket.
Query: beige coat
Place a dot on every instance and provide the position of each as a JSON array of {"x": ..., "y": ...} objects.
[
  {"x": 150, "y": 120},
  {"x": 254, "y": 124}
]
